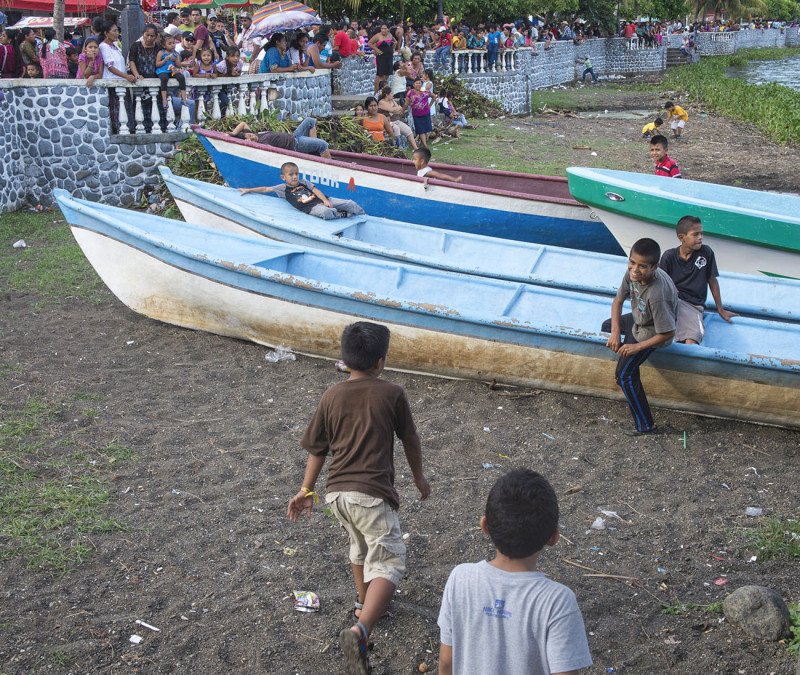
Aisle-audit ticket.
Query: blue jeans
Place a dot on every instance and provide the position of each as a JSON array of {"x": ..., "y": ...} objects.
[
  {"x": 491, "y": 51},
  {"x": 590, "y": 71},
  {"x": 304, "y": 143},
  {"x": 442, "y": 52}
]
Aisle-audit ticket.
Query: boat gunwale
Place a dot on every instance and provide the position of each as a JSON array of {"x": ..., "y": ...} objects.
[
  {"x": 215, "y": 204},
  {"x": 717, "y": 358},
  {"x": 612, "y": 182},
  {"x": 401, "y": 176}
]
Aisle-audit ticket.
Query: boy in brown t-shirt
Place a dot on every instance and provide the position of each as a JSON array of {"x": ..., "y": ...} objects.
[{"x": 356, "y": 422}]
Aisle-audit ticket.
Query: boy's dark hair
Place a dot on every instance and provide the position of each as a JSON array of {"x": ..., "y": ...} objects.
[
  {"x": 363, "y": 343},
  {"x": 668, "y": 105},
  {"x": 288, "y": 165},
  {"x": 521, "y": 513},
  {"x": 648, "y": 249},
  {"x": 687, "y": 223},
  {"x": 69, "y": 51},
  {"x": 172, "y": 16},
  {"x": 429, "y": 73},
  {"x": 424, "y": 153},
  {"x": 659, "y": 121},
  {"x": 658, "y": 139}
]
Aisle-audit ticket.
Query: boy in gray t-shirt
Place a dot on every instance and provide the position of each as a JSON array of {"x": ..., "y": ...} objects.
[
  {"x": 649, "y": 326},
  {"x": 503, "y": 616}
]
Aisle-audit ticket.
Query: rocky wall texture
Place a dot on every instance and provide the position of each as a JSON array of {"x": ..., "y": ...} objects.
[
  {"x": 302, "y": 96},
  {"x": 13, "y": 190},
  {"x": 620, "y": 58},
  {"x": 792, "y": 37},
  {"x": 355, "y": 77},
  {"x": 714, "y": 44},
  {"x": 56, "y": 134},
  {"x": 766, "y": 37}
]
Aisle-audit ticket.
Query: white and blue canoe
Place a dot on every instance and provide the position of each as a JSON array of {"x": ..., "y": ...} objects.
[
  {"x": 599, "y": 273},
  {"x": 442, "y": 323},
  {"x": 518, "y": 206}
]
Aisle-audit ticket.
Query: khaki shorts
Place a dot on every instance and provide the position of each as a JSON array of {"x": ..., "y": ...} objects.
[
  {"x": 677, "y": 124},
  {"x": 374, "y": 530},
  {"x": 690, "y": 322}
]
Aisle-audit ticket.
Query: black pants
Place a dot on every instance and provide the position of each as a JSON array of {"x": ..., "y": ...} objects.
[{"x": 627, "y": 375}]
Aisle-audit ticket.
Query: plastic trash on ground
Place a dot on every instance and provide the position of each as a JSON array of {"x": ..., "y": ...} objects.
[
  {"x": 306, "y": 601},
  {"x": 20, "y": 243},
  {"x": 599, "y": 523},
  {"x": 754, "y": 511},
  {"x": 281, "y": 353}
]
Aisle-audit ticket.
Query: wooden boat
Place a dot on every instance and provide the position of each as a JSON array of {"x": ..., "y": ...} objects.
[
  {"x": 443, "y": 323},
  {"x": 751, "y": 232},
  {"x": 515, "y": 206},
  {"x": 600, "y": 273}
]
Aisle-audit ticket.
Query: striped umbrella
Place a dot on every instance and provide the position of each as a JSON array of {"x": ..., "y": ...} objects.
[{"x": 281, "y": 6}]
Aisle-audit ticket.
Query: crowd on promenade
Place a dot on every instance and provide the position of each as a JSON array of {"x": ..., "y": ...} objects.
[{"x": 33, "y": 53}]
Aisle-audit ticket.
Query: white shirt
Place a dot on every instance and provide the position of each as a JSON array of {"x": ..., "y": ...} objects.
[{"x": 112, "y": 56}]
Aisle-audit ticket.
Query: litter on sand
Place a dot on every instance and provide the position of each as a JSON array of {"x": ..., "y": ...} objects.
[
  {"x": 754, "y": 511},
  {"x": 306, "y": 601},
  {"x": 281, "y": 353},
  {"x": 599, "y": 523},
  {"x": 136, "y": 639},
  {"x": 548, "y": 436},
  {"x": 20, "y": 243},
  {"x": 147, "y": 625}
]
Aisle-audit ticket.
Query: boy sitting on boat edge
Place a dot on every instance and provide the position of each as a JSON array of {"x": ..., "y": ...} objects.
[
  {"x": 692, "y": 267},
  {"x": 306, "y": 197},
  {"x": 650, "y": 325}
]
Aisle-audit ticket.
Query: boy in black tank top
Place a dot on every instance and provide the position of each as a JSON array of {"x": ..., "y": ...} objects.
[{"x": 306, "y": 197}]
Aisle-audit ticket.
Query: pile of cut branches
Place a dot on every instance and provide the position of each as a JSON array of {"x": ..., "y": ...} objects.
[{"x": 469, "y": 103}]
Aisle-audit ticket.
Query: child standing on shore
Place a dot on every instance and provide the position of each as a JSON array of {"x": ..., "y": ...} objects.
[
  {"x": 503, "y": 616},
  {"x": 692, "y": 267},
  {"x": 665, "y": 165},
  {"x": 355, "y": 423},
  {"x": 679, "y": 118}
]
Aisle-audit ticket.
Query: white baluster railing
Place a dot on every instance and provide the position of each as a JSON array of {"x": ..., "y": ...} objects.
[{"x": 248, "y": 95}]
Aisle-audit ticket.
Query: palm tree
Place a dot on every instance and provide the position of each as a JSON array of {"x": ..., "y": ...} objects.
[
  {"x": 729, "y": 8},
  {"x": 58, "y": 18}
]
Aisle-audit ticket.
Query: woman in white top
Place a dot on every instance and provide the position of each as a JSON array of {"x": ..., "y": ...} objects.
[{"x": 112, "y": 55}]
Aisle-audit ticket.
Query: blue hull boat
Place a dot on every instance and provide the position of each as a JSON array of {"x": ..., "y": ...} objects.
[
  {"x": 503, "y": 204},
  {"x": 445, "y": 324},
  {"x": 599, "y": 273}
]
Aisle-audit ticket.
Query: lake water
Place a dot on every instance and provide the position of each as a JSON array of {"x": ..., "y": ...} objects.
[{"x": 784, "y": 71}]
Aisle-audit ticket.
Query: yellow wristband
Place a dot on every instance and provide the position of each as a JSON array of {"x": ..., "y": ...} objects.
[{"x": 311, "y": 493}]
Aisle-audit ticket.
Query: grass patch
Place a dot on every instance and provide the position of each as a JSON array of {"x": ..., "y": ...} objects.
[
  {"x": 777, "y": 539},
  {"x": 52, "y": 265},
  {"x": 794, "y": 616},
  {"x": 572, "y": 98},
  {"x": 678, "y": 608},
  {"x": 772, "y": 108},
  {"x": 52, "y": 496}
]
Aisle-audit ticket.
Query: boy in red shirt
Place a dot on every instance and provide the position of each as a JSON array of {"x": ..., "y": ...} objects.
[{"x": 665, "y": 166}]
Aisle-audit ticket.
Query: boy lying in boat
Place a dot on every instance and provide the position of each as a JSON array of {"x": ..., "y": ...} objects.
[
  {"x": 692, "y": 267},
  {"x": 306, "y": 196},
  {"x": 303, "y": 139}
]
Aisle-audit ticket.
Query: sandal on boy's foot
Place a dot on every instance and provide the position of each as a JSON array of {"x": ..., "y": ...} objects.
[
  {"x": 633, "y": 431},
  {"x": 354, "y": 649},
  {"x": 357, "y": 607}
]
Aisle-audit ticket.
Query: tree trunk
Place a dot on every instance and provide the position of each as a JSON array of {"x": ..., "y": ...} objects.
[
  {"x": 440, "y": 14},
  {"x": 58, "y": 19}
]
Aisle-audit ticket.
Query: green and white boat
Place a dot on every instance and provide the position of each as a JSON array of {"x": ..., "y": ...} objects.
[{"x": 751, "y": 232}]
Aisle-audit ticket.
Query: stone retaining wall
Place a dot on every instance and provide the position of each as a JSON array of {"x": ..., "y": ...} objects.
[{"x": 56, "y": 134}]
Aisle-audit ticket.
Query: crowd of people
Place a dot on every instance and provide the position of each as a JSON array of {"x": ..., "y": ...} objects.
[{"x": 30, "y": 53}]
